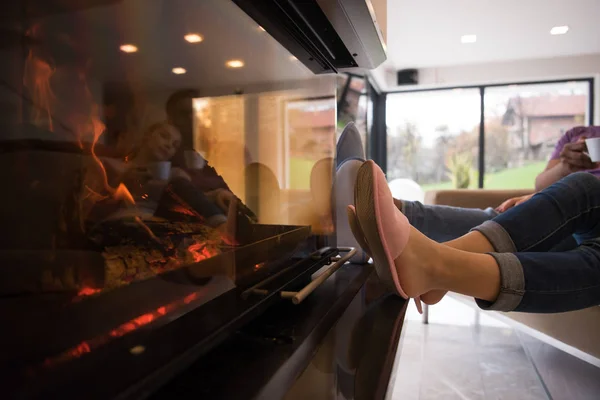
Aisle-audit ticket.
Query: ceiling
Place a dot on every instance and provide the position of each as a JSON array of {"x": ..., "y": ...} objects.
[
  {"x": 158, "y": 27},
  {"x": 426, "y": 33}
]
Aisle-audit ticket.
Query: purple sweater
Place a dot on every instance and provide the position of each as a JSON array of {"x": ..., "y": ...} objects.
[{"x": 572, "y": 136}]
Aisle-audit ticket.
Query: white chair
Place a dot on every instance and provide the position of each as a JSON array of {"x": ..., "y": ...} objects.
[{"x": 406, "y": 189}]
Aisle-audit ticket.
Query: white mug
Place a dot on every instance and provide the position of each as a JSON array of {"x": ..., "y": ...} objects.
[
  {"x": 160, "y": 170},
  {"x": 593, "y": 146}
]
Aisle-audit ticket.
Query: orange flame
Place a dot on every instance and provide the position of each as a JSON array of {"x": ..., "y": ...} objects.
[
  {"x": 122, "y": 193},
  {"x": 97, "y": 133}
]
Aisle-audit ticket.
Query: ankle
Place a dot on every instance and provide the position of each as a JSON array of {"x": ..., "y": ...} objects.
[
  {"x": 473, "y": 242},
  {"x": 435, "y": 266}
]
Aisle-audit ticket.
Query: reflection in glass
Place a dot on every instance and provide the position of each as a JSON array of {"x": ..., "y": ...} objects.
[
  {"x": 133, "y": 191},
  {"x": 354, "y": 105}
]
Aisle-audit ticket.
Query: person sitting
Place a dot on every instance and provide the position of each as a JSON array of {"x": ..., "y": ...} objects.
[
  {"x": 502, "y": 265},
  {"x": 204, "y": 177},
  {"x": 569, "y": 155},
  {"x": 443, "y": 223},
  {"x": 160, "y": 195}
]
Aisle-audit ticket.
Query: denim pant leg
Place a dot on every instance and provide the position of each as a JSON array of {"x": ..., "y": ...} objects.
[
  {"x": 548, "y": 282},
  {"x": 533, "y": 279},
  {"x": 444, "y": 223},
  {"x": 571, "y": 206}
]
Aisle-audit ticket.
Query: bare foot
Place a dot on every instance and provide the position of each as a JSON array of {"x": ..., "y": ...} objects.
[
  {"x": 416, "y": 267},
  {"x": 433, "y": 297}
]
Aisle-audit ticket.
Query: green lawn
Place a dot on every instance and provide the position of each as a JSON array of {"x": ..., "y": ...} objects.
[{"x": 513, "y": 178}]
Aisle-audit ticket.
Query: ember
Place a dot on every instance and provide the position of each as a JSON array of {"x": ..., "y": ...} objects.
[
  {"x": 183, "y": 210},
  {"x": 191, "y": 297},
  {"x": 81, "y": 349},
  {"x": 198, "y": 251},
  {"x": 88, "y": 345},
  {"x": 88, "y": 291}
]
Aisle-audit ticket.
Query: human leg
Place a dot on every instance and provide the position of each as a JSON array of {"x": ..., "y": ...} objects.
[
  {"x": 548, "y": 282},
  {"x": 384, "y": 231},
  {"x": 540, "y": 282},
  {"x": 443, "y": 223},
  {"x": 571, "y": 206},
  {"x": 545, "y": 223},
  {"x": 419, "y": 265}
]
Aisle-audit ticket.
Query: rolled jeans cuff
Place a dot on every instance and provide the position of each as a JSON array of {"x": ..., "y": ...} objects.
[
  {"x": 512, "y": 284},
  {"x": 497, "y": 236}
]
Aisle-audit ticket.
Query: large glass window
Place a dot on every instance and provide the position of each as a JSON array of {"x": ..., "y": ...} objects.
[
  {"x": 523, "y": 124},
  {"x": 432, "y": 137}
]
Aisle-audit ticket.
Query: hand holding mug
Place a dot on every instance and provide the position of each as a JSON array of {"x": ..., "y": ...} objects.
[{"x": 574, "y": 156}]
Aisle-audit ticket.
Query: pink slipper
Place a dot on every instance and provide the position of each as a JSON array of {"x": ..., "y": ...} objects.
[
  {"x": 383, "y": 241},
  {"x": 360, "y": 238}
]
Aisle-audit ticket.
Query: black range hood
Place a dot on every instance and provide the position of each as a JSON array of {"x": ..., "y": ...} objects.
[{"x": 326, "y": 35}]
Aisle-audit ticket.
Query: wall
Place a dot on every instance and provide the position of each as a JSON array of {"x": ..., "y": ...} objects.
[{"x": 509, "y": 71}]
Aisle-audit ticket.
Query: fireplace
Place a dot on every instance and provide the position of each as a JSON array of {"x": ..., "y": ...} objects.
[{"x": 158, "y": 193}]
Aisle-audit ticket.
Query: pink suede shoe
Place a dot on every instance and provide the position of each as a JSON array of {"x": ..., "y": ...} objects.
[{"x": 377, "y": 224}]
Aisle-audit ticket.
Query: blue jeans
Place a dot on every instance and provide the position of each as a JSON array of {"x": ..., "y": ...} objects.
[
  {"x": 444, "y": 223},
  {"x": 534, "y": 279}
]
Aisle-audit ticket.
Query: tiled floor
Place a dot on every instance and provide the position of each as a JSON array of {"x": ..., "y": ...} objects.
[{"x": 465, "y": 354}]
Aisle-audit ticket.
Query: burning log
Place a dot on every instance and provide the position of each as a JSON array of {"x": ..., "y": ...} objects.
[{"x": 124, "y": 258}]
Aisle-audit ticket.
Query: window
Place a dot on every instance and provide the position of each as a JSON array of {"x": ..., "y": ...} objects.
[
  {"x": 523, "y": 124},
  {"x": 432, "y": 137}
]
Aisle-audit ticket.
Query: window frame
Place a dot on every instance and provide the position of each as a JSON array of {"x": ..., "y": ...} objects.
[{"x": 379, "y": 134}]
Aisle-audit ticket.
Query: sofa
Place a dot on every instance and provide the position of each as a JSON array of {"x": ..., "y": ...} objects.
[{"x": 575, "y": 332}]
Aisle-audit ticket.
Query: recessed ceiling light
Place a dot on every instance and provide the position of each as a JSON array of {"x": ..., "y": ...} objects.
[
  {"x": 293, "y": 58},
  {"x": 559, "y": 30},
  {"x": 234, "y": 63},
  {"x": 193, "y": 38},
  {"x": 260, "y": 28},
  {"x": 128, "y": 48},
  {"x": 468, "y": 38},
  {"x": 178, "y": 70}
]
